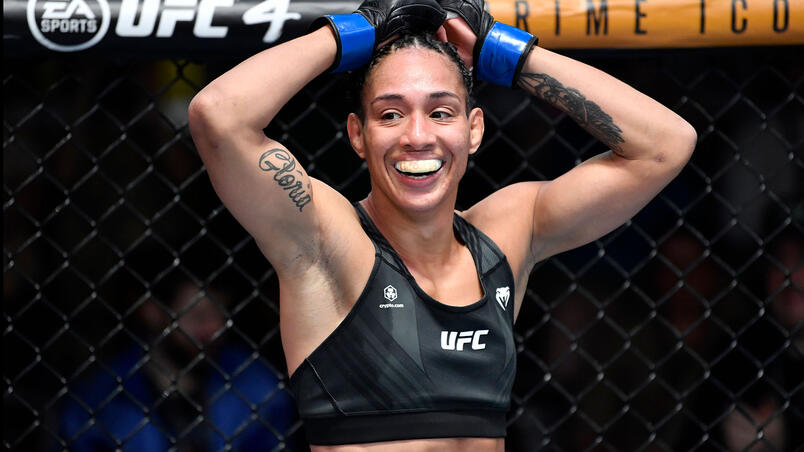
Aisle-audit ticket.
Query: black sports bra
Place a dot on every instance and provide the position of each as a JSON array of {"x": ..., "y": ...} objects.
[{"x": 401, "y": 365}]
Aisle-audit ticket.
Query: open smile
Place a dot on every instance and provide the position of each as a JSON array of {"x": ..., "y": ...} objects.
[{"x": 418, "y": 169}]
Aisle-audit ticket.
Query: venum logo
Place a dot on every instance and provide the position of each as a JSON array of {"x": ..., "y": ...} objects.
[
  {"x": 453, "y": 340},
  {"x": 503, "y": 294},
  {"x": 68, "y": 25}
]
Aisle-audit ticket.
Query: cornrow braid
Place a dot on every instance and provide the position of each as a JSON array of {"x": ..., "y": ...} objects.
[{"x": 419, "y": 41}]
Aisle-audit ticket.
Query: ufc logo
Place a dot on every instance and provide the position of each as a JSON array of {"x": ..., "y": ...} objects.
[{"x": 453, "y": 340}]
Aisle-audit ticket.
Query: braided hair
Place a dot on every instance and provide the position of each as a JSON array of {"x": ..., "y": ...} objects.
[{"x": 418, "y": 41}]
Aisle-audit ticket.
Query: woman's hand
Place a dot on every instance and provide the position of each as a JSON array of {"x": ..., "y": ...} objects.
[{"x": 458, "y": 32}]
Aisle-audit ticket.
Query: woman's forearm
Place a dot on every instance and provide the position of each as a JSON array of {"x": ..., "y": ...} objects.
[
  {"x": 252, "y": 93},
  {"x": 630, "y": 123}
]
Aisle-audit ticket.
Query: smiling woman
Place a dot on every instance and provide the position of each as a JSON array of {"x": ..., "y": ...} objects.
[
  {"x": 415, "y": 132},
  {"x": 397, "y": 311}
]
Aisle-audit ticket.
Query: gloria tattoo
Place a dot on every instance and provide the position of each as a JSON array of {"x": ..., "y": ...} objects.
[
  {"x": 587, "y": 113},
  {"x": 283, "y": 165}
]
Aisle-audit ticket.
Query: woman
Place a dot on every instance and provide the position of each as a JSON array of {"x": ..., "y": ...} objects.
[{"x": 396, "y": 313}]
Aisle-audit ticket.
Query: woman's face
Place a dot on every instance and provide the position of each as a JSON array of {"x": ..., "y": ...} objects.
[{"x": 416, "y": 136}]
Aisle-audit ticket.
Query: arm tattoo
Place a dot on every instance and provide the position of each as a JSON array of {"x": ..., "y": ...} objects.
[
  {"x": 286, "y": 175},
  {"x": 585, "y": 112}
]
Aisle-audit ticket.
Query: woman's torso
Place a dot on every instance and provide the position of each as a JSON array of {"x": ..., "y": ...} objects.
[{"x": 494, "y": 393}]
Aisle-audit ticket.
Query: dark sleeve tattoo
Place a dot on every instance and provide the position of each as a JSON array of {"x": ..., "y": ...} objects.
[
  {"x": 283, "y": 166},
  {"x": 585, "y": 112}
]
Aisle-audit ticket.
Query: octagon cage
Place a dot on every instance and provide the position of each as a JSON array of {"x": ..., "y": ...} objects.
[{"x": 124, "y": 276}]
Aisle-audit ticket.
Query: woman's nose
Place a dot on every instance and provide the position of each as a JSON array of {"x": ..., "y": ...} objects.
[{"x": 418, "y": 134}]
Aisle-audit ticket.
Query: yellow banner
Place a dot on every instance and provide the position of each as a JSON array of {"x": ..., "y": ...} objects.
[{"x": 655, "y": 23}]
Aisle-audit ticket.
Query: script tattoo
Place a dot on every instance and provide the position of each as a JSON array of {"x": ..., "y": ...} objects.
[
  {"x": 286, "y": 175},
  {"x": 587, "y": 113}
]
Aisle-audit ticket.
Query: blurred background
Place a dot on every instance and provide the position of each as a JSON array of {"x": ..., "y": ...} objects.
[{"x": 139, "y": 315}]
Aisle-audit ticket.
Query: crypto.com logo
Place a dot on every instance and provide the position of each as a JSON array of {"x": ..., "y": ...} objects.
[{"x": 68, "y": 25}]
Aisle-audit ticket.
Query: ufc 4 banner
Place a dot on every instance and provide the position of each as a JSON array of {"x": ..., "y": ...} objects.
[{"x": 179, "y": 28}]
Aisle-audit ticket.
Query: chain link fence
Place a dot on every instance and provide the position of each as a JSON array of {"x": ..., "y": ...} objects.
[{"x": 139, "y": 314}]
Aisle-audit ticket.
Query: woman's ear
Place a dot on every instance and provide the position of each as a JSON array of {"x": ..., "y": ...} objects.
[
  {"x": 476, "y": 128},
  {"x": 354, "y": 127}
]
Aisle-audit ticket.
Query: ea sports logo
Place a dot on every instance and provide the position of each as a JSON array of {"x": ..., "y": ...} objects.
[{"x": 68, "y": 25}]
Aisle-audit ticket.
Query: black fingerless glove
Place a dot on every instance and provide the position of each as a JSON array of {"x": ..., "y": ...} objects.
[
  {"x": 500, "y": 50},
  {"x": 374, "y": 22}
]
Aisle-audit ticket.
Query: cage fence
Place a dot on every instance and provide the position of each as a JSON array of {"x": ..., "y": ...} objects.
[{"x": 136, "y": 307}]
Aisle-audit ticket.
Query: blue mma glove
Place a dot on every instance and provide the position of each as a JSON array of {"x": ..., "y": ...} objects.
[
  {"x": 500, "y": 50},
  {"x": 374, "y": 22}
]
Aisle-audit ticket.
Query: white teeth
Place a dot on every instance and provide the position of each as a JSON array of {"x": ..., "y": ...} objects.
[{"x": 418, "y": 166}]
